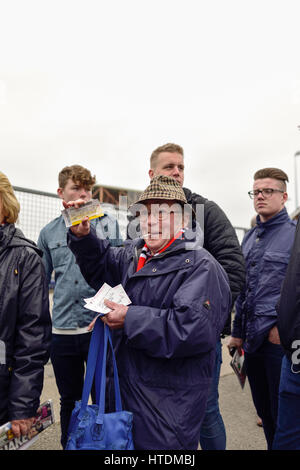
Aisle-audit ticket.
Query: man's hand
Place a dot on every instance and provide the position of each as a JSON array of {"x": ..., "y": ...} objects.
[
  {"x": 116, "y": 317},
  {"x": 82, "y": 229},
  {"x": 92, "y": 324},
  {"x": 235, "y": 343},
  {"x": 274, "y": 335},
  {"x": 21, "y": 426}
]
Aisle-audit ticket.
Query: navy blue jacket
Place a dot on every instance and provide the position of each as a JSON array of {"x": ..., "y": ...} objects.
[
  {"x": 166, "y": 350},
  {"x": 267, "y": 248}
]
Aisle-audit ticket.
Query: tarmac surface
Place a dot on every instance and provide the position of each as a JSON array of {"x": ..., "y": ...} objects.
[{"x": 236, "y": 407}]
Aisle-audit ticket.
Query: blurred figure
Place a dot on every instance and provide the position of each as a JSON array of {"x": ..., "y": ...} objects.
[
  {"x": 25, "y": 323},
  {"x": 266, "y": 247},
  {"x": 70, "y": 337},
  {"x": 287, "y": 435}
]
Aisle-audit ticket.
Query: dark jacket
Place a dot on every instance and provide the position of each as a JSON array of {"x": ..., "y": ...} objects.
[
  {"x": 25, "y": 325},
  {"x": 288, "y": 307},
  {"x": 221, "y": 241},
  {"x": 166, "y": 350},
  {"x": 266, "y": 248}
]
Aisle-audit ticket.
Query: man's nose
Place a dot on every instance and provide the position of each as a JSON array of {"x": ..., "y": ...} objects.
[
  {"x": 152, "y": 220},
  {"x": 260, "y": 195},
  {"x": 83, "y": 193}
]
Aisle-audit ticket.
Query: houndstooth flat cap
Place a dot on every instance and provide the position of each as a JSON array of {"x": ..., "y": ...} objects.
[{"x": 163, "y": 187}]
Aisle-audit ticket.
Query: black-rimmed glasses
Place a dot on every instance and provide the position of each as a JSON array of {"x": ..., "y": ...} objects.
[{"x": 266, "y": 192}]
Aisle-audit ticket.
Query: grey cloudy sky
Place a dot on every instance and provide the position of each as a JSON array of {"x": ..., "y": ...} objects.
[{"x": 103, "y": 83}]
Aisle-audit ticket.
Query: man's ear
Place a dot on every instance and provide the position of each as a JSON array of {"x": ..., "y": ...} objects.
[
  {"x": 60, "y": 193},
  {"x": 151, "y": 173},
  {"x": 285, "y": 197}
]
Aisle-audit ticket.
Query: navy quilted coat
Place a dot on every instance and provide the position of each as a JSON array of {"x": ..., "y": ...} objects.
[
  {"x": 267, "y": 248},
  {"x": 165, "y": 352}
]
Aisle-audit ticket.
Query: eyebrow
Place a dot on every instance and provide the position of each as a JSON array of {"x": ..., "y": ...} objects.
[{"x": 181, "y": 165}]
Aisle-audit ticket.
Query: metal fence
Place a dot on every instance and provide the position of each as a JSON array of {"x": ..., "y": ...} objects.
[{"x": 39, "y": 208}]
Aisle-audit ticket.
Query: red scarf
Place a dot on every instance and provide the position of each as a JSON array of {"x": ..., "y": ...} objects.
[{"x": 146, "y": 255}]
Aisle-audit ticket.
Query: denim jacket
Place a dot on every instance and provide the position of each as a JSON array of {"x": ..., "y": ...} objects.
[
  {"x": 70, "y": 287},
  {"x": 267, "y": 248}
]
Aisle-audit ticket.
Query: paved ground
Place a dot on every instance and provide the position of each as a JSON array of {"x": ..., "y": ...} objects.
[{"x": 236, "y": 407}]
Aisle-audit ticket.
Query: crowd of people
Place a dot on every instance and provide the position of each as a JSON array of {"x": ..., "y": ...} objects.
[{"x": 185, "y": 273}]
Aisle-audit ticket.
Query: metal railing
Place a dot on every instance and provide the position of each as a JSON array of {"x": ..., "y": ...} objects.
[{"x": 37, "y": 209}]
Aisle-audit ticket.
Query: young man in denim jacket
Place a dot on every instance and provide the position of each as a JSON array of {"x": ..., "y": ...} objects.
[
  {"x": 70, "y": 338},
  {"x": 267, "y": 248}
]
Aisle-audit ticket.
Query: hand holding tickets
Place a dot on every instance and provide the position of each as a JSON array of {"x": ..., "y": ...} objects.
[
  {"x": 113, "y": 294},
  {"x": 111, "y": 303},
  {"x": 73, "y": 215}
]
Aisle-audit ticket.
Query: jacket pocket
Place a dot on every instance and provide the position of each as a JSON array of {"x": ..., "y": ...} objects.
[
  {"x": 59, "y": 252},
  {"x": 274, "y": 265}
]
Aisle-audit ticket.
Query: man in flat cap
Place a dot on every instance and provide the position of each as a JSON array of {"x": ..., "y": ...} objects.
[{"x": 165, "y": 340}]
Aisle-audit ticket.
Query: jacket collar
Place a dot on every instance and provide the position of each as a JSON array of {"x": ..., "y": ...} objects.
[
  {"x": 192, "y": 239},
  {"x": 277, "y": 219},
  {"x": 188, "y": 194}
]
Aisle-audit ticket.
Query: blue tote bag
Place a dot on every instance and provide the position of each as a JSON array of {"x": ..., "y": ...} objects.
[{"x": 90, "y": 427}]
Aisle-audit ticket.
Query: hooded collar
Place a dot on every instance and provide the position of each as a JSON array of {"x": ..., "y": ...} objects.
[{"x": 11, "y": 237}]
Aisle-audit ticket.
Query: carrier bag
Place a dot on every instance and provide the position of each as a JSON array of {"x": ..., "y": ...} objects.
[{"x": 90, "y": 427}]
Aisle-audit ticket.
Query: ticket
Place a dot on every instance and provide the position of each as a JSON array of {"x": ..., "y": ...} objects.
[
  {"x": 116, "y": 294},
  {"x": 73, "y": 216}
]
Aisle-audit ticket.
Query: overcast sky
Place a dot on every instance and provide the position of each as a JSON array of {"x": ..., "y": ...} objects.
[{"x": 103, "y": 83}]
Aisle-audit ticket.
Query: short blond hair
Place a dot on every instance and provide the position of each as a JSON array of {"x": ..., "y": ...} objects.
[
  {"x": 172, "y": 148},
  {"x": 11, "y": 206}
]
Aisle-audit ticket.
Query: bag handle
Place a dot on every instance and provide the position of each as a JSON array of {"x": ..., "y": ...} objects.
[
  {"x": 96, "y": 365},
  {"x": 95, "y": 353},
  {"x": 118, "y": 402}
]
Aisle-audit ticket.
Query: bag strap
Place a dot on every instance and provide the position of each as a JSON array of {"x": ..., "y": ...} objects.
[
  {"x": 118, "y": 403},
  {"x": 95, "y": 356},
  {"x": 96, "y": 365}
]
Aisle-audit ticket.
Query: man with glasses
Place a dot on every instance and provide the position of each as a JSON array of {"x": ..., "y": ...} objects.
[{"x": 266, "y": 247}]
